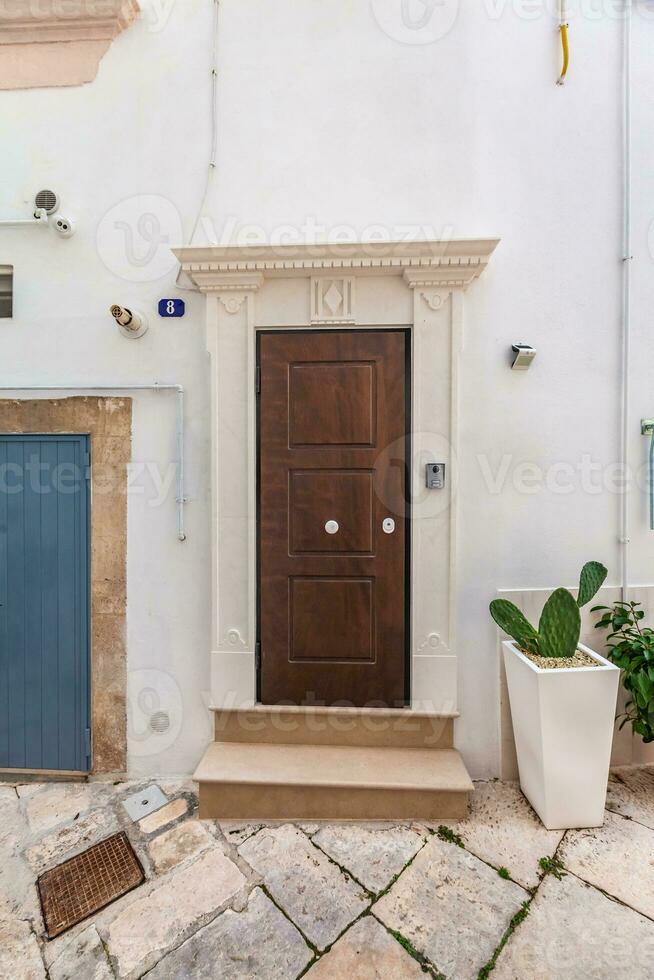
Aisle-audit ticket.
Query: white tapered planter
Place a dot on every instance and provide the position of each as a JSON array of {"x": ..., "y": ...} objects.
[{"x": 563, "y": 728}]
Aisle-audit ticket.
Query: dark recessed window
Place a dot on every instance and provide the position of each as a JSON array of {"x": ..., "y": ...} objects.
[{"x": 6, "y": 290}]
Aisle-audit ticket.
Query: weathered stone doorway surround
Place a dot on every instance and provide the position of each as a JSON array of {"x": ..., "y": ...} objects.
[
  {"x": 419, "y": 286},
  {"x": 108, "y": 420}
]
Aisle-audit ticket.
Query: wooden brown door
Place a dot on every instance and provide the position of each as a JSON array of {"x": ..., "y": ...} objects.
[{"x": 332, "y": 581}]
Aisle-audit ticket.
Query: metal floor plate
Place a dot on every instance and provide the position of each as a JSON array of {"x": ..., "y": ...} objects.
[
  {"x": 139, "y": 805},
  {"x": 87, "y": 882}
]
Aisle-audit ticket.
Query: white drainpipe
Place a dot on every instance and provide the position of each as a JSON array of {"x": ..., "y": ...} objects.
[
  {"x": 181, "y": 499},
  {"x": 627, "y": 258}
]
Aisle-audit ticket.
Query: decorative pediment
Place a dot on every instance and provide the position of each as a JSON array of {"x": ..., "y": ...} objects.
[
  {"x": 332, "y": 299},
  {"x": 50, "y": 44},
  {"x": 428, "y": 264}
]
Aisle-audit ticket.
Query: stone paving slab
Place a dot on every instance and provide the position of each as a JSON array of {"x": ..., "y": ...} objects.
[
  {"x": 28, "y": 789},
  {"x": 618, "y": 858},
  {"x": 366, "y": 952},
  {"x": 17, "y": 884},
  {"x": 16, "y": 877},
  {"x": 573, "y": 932},
  {"x": 258, "y": 943},
  {"x": 236, "y": 833},
  {"x": 19, "y": 950},
  {"x": 452, "y": 907},
  {"x": 159, "y": 920},
  {"x": 56, "y": 804},
  {"x": 12, "y": 829},
  {"x": 373, "y": 856},
  {"x": 166, "y": 814},
  {"x": 181, "y": 843},
  {"x": 312, "y": 891},
  {"x": 311, "y": 828},
  {"x": 83, "y": 958},
  {"x": 631, "y": 793},
  {"x": 70, "y": 839},
  {"x": 503, "y": 830}
]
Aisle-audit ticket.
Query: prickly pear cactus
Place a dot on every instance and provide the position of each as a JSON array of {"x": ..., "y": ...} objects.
[
  {"x": 560, "y": 625},
  {"x": 591, "y": 581},
  {"x": 509, "y": 618}
]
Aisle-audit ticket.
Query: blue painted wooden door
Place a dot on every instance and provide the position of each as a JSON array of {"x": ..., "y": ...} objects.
[{"x": 44, "y": 602}]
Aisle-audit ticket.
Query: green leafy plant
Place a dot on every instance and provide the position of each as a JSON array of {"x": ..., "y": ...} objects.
[
  {"x": 447, "y": 834},
  {"x": 552, "y": 866},
  {"x": 631, "y": 648},
  {"x": 559, "y": 627}
]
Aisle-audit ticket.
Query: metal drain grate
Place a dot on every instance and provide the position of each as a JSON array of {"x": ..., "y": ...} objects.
[{"x": 86, "y": 883}]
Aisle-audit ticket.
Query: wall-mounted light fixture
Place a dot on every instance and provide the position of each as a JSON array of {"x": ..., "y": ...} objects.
[{"x": 522, "y": 355}]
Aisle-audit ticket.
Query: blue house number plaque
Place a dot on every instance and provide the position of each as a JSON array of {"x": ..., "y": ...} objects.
[{"x": 171, "y": 307}]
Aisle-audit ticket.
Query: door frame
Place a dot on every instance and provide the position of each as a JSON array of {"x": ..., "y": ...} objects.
[
  {"x": 408, "y": 488},
  {"x": 411, "y": 285},
  {"x": 108, "y": 421}
]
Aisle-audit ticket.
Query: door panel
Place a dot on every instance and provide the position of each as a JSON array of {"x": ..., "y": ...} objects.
[
  {"x": 332, "y": 451},
  {"x": 332, "y": 404},
  {"x": 347, "y": 493},
  {"x": 332, "y": 619},
  {"x": 44, "y": 712}
]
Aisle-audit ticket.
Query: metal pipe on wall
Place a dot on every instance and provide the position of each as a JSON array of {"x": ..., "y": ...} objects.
[
  {"x": 626, "y": 296},
  {"x": 179, "y": 428},
  {"x": 563, "y": 29}
]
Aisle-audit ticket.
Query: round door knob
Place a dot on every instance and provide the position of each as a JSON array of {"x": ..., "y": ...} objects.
[{"x": 331, "y": 527}]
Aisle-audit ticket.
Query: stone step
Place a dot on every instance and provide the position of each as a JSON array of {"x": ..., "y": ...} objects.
[
  {"x": 290, "y": 725},
  {"x": 268, "y": 781}
]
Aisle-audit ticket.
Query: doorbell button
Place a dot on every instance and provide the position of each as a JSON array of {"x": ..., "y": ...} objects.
[
  {"x": 388, "y": 525},
  {"x": 331, "y": 527}
]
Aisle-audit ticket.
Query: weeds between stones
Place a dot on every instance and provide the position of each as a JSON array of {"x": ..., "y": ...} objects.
[
  {"x": 447, "y": 834},
  {"x": 552, "y": 866}
]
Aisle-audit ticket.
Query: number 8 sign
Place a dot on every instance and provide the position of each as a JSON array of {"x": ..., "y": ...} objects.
[{"x": 171, "y": 307}]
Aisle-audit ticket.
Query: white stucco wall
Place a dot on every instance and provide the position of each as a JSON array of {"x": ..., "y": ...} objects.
[{"x": 330, "y": 125}]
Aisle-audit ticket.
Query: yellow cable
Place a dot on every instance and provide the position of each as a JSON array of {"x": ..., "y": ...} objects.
[{"x": 566, "y": 53}]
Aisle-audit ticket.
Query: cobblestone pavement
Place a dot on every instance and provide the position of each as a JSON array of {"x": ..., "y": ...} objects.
[{"x": 330, "y": 901}]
